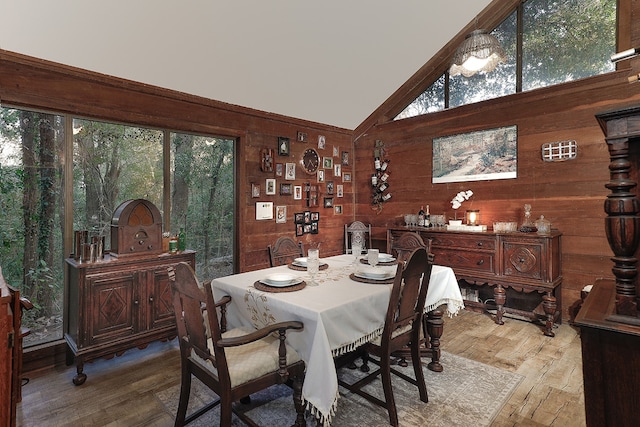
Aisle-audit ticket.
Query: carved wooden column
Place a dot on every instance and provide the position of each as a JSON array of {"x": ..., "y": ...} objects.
[{"x": 622, "y": 224}]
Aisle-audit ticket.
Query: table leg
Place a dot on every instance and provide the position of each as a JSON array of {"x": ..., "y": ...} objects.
[
  {"x": 434, "y": 328},
  {"x": 549, "y": 306},
  {"x": 500, "y": 296}
]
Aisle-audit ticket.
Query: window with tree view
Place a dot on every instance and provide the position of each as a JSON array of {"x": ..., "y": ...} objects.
[{"x": 561, "y": 41}]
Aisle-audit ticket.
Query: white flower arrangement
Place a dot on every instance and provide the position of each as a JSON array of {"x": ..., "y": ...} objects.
[{"x": 457, "y": 201}]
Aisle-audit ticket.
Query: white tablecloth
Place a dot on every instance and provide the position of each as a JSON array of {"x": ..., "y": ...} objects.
[{"x": 338, "y": 315}]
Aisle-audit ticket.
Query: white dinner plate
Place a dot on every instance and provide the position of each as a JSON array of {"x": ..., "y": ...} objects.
[
  {"x": 375, "y": 273},
  {"x": 302, "y": 261},
  {"x": 385, "y": 258},
  {"x": 281, "y": 280}
]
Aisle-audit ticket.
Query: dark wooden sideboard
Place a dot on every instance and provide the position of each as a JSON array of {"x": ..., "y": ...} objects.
[
  {"x": 117, "y": 304},
  {"x": 492, "y": 263}
]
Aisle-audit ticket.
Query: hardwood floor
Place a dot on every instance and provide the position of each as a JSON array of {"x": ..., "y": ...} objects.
[{"x": 120, "y": 391}]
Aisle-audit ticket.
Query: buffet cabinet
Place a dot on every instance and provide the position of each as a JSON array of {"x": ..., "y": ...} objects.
[
  {"x": 115, "y": 304},
  {"x": 516, "y": 273}
]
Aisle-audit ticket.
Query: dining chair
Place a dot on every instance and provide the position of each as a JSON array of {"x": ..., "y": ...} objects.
[
  {"x": 403, "y": 246},
  {"x": 233, "y": 364},
  {"x": 358, "y": 232},
  {"x": 401, "y": 329},
  {"x": 284, "y": 251}
]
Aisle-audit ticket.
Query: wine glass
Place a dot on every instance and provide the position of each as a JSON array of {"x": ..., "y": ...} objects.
[
  {"x": 313, "y": 265},
  {"x": 372, "y": 257}
]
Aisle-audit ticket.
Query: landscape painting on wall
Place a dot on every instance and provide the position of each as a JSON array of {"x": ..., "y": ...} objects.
[{"x": 476, "y": 156}]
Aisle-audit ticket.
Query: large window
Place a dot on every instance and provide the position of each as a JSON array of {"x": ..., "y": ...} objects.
[
  {"x": 112, "y": 163},
  {"x": 561, "y": 41}
]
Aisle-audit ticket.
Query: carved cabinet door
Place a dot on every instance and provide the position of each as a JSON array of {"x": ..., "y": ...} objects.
[
  {"x": 523, "y": 259},
  {"x": 159, "y": 299}
]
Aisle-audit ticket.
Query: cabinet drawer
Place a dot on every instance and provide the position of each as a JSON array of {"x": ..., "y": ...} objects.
[
  {"x": 479, "y": 261},
  {"x": 452, "y": 240}
]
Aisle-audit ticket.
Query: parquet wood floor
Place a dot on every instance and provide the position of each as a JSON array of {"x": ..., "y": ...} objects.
[{"x": 121, "y": 391}]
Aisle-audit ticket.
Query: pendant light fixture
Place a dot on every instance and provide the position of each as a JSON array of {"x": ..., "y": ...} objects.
[{"x": 479, "y": 52}]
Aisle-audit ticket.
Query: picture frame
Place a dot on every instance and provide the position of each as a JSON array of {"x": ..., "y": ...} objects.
[
  {"x": 255, "y": 190},
  {"x": 335, "y": 151},
  {"x": 321, "y": 142},
  {"x": 337, "y": 209},
  {"x": 302, "y": 137},
  {"x": 298, "y": 217},
  {"x": 345, "y": 158},
  {"x": 299, "y": 230},
  {"x": 290, "y": 171},
  {"x": 455, "y": 156},
  {"x": 285, "y": 189},
  {"x": 297, "y": 192},
  {"x": 328, "y": 202},
  {"x": 307, "y": 217},
  {"x": 279, "y": 169},
  {"x": 337, "y": 169},
  {"x": 270, "y": 187},
  {"x": 283, "y": 146},
  {"x": 281, "y": 214},
  {"x": 346, "y": 177},
  {"x": 330, "y": 187},
  {"x": 314, "y": 228},
  {"x": 315, "y": 216},
  {"x": 327, "y": 162},
  {"x": 264, "y": 211},
  {"x": 320, "y": 175},
  {"x": 339, "y": 190},
  {"x": 266, "y": 160}
]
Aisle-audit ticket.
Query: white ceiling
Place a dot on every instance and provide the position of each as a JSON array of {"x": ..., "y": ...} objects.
[{"x": 329, "y": 61}]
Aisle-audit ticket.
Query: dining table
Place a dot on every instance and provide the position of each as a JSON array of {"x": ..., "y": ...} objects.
[{"x": 339, "y": 314}]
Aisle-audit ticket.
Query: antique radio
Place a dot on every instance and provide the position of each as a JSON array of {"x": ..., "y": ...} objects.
[{"x": 136, "y": 228}]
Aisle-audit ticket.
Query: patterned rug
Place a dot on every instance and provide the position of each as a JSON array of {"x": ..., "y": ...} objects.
[{"x": 467, "y": 393}]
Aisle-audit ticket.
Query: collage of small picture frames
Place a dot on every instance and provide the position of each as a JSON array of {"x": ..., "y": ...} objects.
[{"x": 327, "y": 189}]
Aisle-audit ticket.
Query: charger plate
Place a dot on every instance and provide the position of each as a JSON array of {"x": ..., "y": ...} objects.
[
  {"x": 355, "y": 278},
  {"x": 266, "y": 288},
  {"x": 366, "y": 261},
  {"x": 292, "y": 266}
]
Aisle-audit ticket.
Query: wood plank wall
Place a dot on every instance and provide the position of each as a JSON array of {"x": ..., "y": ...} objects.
[{"x": 570, "y": 194}]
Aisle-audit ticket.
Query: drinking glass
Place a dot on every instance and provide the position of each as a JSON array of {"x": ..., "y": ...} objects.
[
  {"x": 356, "y": 251},
  {"x": 313, "y": 265},
  {"x": 372, "y": 257}
]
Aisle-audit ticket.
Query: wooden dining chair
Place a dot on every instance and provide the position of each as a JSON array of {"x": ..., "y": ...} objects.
[
  {"x": 357, "y": 231},
  {"x": 284, "y": 251},
  {"x": 401, "y": 329},
  {"x": 234, "y": 364},
  {"x": 403, "y": 246}
]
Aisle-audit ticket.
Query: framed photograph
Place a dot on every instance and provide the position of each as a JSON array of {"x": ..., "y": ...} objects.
[
  {"x": 315, "y": 216},
  {"x": 307, "y": 228},
  {"x": 337, "y": 209},
  {"x": 476, "y": 156},
  {"x": 307, "y": 217},
  {"x": 298, "y": 217},
  {"x": 281, "y": 214},
  {"x": 345, "y": 158},
  {"x": 286, "y": 189},
  {"x": 290, "y": 171},
  {"x": 297, "y": 192},
  {"x": 299, "y": 229},
  {"x": 328, "y": 202},
  {"x": 264, "y": 210},
  {"x": 321, "y": 175},
  {"x": 283, "y": 146},
  {"x": 337, "y": 170},
  {"x": 302, "y": 137},
  {"x": 255, "y": 190},
  {"x": 270, "y": 187},
  {"x": 339, "y": 190},
  {"x": 327, "y": 162},
  {"x": 321, "y": 142},
  {"x": 279, "y": 169},
  {"x": 335, "y": 151},
  {"x": 329, "y": 187},
  {"x": 266, "y": 160},
  {"x": 314, "y": 228},
  {"x": 346, "y": 177}
]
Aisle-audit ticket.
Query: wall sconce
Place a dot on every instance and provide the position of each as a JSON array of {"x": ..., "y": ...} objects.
[
  {"x": 480, "y": 51},
  {"x": 473, "y": 217}
]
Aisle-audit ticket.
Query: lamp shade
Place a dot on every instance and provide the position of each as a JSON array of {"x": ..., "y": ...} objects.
[{"x": 479, "y": 51}]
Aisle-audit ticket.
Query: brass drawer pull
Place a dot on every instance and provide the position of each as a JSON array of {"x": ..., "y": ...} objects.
[{"x": 480, "y": 262}]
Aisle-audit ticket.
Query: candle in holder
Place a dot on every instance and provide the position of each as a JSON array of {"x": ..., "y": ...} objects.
[{"x": 473, "y": 217}]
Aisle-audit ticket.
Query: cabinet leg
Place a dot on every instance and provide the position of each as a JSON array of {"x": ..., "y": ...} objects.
[
  {"x": 500, "y": 296},
  {"x": 435, "y": 326},
  {"x": 549, "y": 306},
  {"x": 80, "y": 377}
]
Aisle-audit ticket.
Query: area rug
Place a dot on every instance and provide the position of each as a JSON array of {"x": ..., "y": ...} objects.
[{"x": 467, "y": 393}]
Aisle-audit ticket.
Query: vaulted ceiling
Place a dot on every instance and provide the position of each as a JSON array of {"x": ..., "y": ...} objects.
[{"x": 330, "y": 61}]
